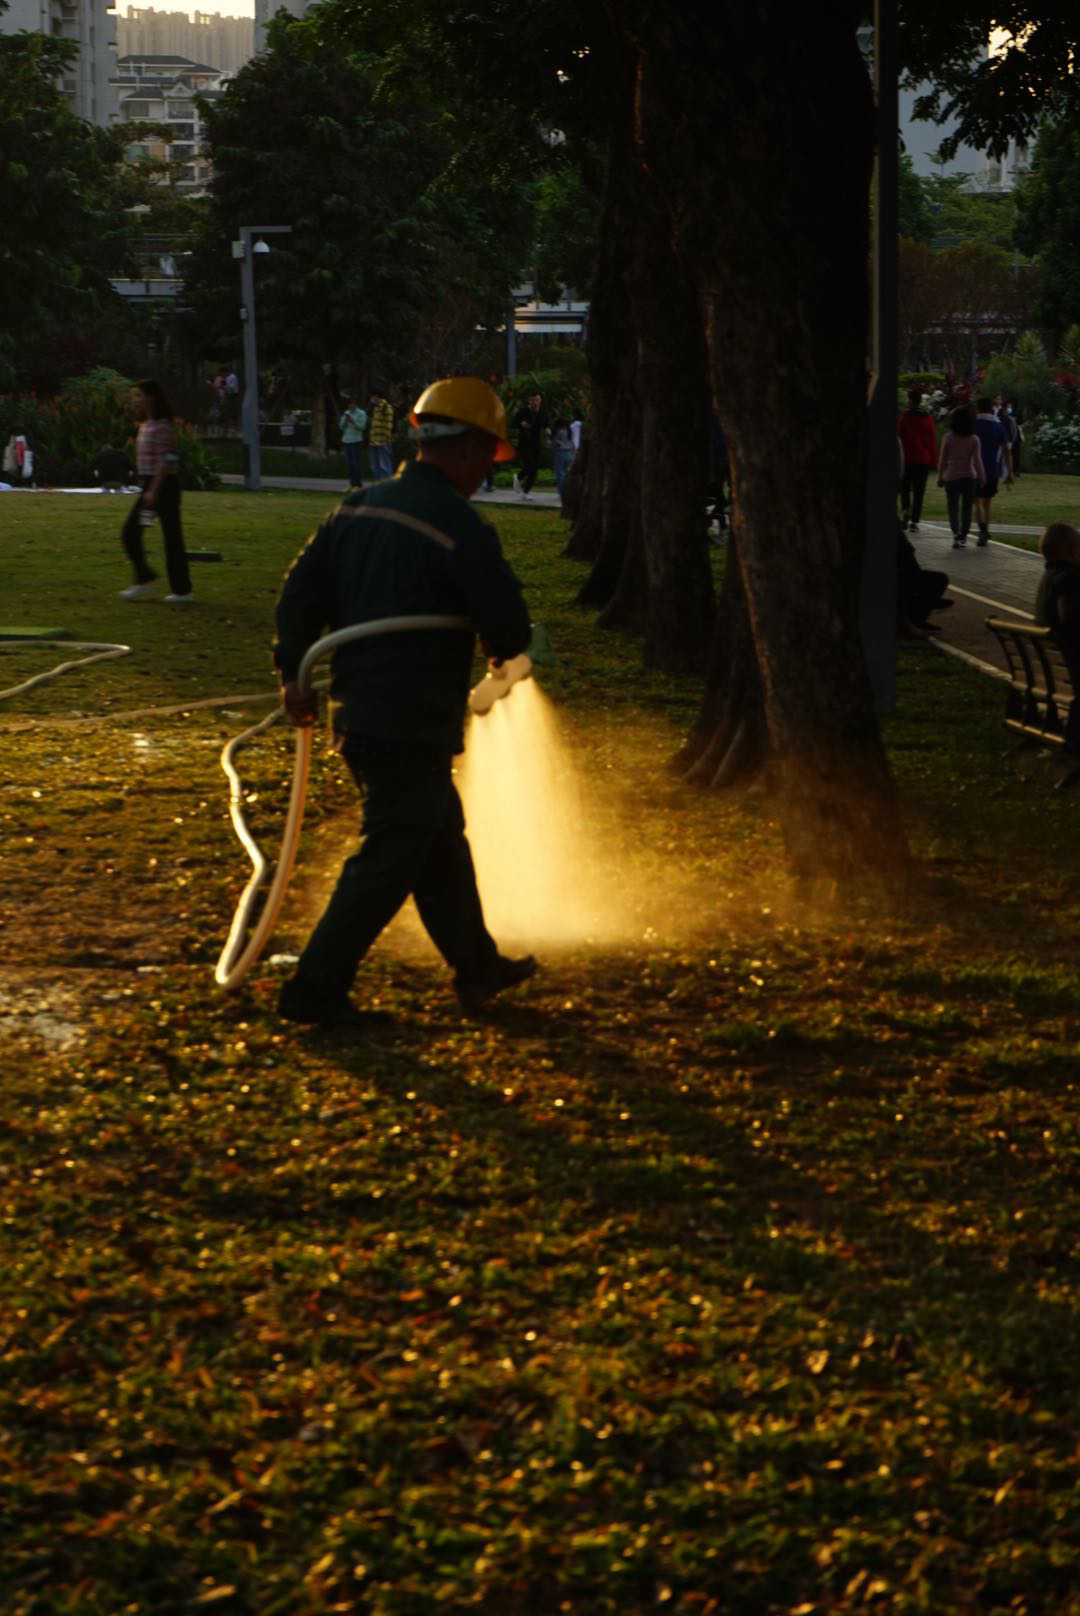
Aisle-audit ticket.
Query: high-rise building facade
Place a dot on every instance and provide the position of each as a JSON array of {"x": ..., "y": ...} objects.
[
  {"x": 162, "y": 90},
  {"x": 91, "y": 24},
  {"x": 265, "y": 9},
  {"x": 203, "y": 36}
]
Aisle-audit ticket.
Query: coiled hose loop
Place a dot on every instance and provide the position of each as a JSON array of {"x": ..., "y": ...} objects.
[{"x": 241, "y": 951}]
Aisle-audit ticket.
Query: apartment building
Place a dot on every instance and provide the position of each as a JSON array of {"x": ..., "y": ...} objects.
[
  {"x": 161, "y": 88},
  {"x": 88, "y": 83}
]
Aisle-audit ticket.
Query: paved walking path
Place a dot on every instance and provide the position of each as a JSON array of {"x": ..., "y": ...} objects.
[
  {"x": 999, "y": 580},
  {"x": 334, "y": 488}
]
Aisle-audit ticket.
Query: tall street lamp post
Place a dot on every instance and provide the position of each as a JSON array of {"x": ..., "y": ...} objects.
[{"x": 249, "y": 244}]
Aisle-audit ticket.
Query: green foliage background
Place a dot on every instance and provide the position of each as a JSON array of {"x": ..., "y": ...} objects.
[
  {"x": 64, "y": 232},
  {"x": 66, "y": 432},
  {"x": 397, "y": 251}
]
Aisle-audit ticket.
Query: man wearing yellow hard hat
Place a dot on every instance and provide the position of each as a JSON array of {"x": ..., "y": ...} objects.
[{"x": 409, "y": 546}]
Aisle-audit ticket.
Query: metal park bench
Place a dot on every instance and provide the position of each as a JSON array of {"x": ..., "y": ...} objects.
[{"x": 1041, "y": 707}]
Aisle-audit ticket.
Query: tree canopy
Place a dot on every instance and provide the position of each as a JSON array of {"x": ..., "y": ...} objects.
[
  {"x": 990, "y": 99},
  {"x": 1048, "y": 224},
  {"x": 64, "y": 229},
  {"x": 389, "y": 233}
]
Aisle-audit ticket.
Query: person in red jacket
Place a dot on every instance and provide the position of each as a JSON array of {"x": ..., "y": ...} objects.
[{"x": 917, "y": 431}]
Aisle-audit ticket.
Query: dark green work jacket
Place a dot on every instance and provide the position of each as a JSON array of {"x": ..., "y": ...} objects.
[{"x": 402, "y": 548}]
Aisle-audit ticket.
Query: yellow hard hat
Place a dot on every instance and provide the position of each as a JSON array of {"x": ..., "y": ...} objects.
[{"x": 468, "y": 400}]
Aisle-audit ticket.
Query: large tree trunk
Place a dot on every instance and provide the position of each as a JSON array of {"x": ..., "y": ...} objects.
[
  {"x": 643, "y": 493},
  {"x": 618, "y": 451},
  {"x": 762, "y": 149},
  {"x": 728, "y": 742},
  {"x": 317, "y": 392},
  {"x": 676, "y": 401},
  {"x": 601, "y": 518}
]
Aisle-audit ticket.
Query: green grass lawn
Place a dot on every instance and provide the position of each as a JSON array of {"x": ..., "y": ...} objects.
[
  {"x": 1037, "y": 499},
  {"x": 732, "y": 1268}
]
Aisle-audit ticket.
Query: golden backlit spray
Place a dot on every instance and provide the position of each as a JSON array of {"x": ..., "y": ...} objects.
[{"x": 540, "y": 872}]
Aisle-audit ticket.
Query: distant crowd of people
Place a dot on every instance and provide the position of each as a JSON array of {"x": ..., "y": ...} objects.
[
  {"x": 533, "y": 429},
  {"x": 377, "y": 424},
  {"x": 979, "y": 452}
]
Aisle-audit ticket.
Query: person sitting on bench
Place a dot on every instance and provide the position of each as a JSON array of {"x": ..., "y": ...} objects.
[
  {"x": 1057, "y": 601},
  {"x": 919, "y": 590}
]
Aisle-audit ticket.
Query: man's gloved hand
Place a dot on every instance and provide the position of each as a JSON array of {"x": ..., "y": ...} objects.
[{"x": 302, "y": 707}]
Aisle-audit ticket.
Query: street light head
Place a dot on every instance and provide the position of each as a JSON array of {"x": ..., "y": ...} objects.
[{"x": 260, "y": 246}]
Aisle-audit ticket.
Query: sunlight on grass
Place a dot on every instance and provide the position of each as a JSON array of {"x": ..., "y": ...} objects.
[{"x": 730, "y": 1267}]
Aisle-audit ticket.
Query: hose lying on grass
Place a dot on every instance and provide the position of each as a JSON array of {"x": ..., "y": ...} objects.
[{"x": 103, "y": 651}]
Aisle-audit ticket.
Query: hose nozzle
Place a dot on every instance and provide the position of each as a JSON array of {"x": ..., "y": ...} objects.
[{"x": 498, "y": 682}]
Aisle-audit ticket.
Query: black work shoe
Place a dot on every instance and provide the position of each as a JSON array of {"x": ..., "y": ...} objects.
[
  {"x": 502, "y": 973},
  {"x": 296, "y": 1002}
]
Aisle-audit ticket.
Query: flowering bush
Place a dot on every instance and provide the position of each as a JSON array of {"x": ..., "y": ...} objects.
[
  {"x": 1057, "y": 443},
  {"x": 68, "y": 431},
  {"x": 1024, "y": 373}
]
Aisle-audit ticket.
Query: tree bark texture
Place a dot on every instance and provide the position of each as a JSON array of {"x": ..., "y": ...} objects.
[
  {"x": 605, "y": 348},
  {"x": 675, "y": 401},
  {"x": 756, "y": 126},
  {"x": 729, "y": 740},
  {"x": 643, "y": 495},
  {"x": 317, "y": 448}
]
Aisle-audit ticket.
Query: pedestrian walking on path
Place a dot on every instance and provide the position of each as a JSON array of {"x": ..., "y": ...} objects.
[
  {"x": 158, "y": 466},
  {"x": 917, "y": 430},
  {"x": 352, "y": 426},
  {"x": 960, "y": 471},
  {"x": 562, "y": 451},
  {"x": 997, "y": 460},
  {"x": 380, "y": 435},
  {"x": 532, "y": 427}
]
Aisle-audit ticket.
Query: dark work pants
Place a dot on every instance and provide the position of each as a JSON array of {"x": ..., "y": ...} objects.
[
  {"x": 176, "y": 561},
  {"x": 959, "y": 493},
  {"x": 529, "y": 456},
  {"x": 354, "y": 460},
  {"x": 414, "y": 842},
  {"x": 912, "y": 489}
]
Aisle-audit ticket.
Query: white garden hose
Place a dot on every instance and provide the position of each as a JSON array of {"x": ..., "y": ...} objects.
[
  {"x": 238, "y": 955},
  {"x": 103, "y": 651}
]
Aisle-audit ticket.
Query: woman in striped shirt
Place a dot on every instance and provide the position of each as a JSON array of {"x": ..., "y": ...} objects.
[{"x": 158, "y": 467}]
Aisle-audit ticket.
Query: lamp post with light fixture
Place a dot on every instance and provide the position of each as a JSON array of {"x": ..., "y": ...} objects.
[{"x": 249, "y": 244}]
